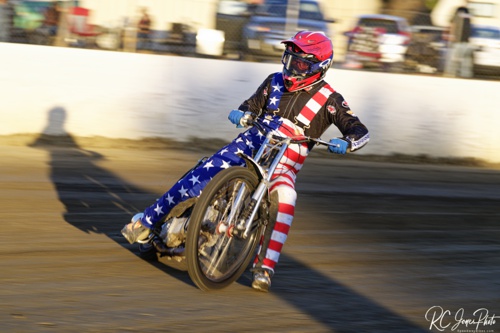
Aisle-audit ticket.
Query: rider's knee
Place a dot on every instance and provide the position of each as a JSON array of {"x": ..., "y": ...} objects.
[{"x": 286, "y": 194}]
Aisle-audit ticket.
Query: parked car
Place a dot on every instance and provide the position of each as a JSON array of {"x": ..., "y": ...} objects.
[
  {"x": 378, "y": 40},
  {"x": 258, "y": 30},
  {"x": 485, "y": 41},
  {"x": 269, "y": 26}
]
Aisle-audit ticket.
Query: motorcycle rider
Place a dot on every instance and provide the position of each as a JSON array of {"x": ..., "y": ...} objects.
[{"x": 298, "y": 101}]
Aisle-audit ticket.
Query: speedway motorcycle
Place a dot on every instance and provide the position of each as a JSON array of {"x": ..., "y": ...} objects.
[{"x": 217, "y": 233}]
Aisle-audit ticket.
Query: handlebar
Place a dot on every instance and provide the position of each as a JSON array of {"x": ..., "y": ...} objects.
[{"x": 253, "y": 120}]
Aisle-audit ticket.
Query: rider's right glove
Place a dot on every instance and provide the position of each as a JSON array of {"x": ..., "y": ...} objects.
[
  {"x": 235, "y": 117},
  {"x": 340, "y": 146}
]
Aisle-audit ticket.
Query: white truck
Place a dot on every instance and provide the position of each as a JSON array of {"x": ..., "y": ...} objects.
[{"x": 480, "y": 53}]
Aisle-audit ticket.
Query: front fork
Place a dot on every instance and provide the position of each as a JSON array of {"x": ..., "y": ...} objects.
[{"x": 244, "y": 225}]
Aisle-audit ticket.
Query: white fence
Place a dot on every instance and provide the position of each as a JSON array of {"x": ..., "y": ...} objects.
[{"x": 129, "y": 95}]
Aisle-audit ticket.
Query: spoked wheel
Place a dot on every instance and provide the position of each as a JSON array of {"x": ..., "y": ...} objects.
[{"x": 215, "y": 257}]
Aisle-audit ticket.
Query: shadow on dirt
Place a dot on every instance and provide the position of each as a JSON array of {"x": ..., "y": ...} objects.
[
  {"x": 95, "y": 199},
  {"x": 333, "y": 304}
]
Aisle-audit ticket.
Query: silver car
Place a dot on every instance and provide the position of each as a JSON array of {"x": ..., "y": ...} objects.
[{"x": 277, "y": 20}]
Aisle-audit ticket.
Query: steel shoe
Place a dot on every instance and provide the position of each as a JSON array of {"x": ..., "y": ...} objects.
[
  {"x": 261, "y": 281},
  {"x": 135, "y": 231}
]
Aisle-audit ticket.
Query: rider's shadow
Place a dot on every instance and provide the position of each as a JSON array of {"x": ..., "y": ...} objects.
[
  {"x": 95, "y": 199},
  {"x": 334, "y": 304}
]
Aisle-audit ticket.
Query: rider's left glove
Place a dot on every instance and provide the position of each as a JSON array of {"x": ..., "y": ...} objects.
[
  {"x": 235, "y": 117},
  {"x": 340, "y": 146}
]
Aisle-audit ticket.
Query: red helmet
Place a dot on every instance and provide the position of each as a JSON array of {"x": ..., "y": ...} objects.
[{"x": 306, "y": 59}]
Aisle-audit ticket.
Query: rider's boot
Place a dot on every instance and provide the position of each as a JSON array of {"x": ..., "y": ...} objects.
[
  {"x": 135, "y": 231},
  {"x": 261, "y": 280},
  {"x": 262, "y": 276}
]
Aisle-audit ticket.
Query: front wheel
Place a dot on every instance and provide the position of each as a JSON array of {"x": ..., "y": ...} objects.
[{"x": 215, "y": 257}]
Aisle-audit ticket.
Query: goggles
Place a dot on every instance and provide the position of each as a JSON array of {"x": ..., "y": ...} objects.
[{"x": 297, "y": 64}]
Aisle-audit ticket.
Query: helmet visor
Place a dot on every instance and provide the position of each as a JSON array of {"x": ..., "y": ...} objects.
[{"x": 297, "y": 64}]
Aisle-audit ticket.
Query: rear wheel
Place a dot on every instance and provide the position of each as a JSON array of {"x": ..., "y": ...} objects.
[{"x": 215, "y": 257}]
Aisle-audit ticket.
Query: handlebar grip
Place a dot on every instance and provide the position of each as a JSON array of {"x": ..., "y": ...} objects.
[{"x": 248, "y": 119}]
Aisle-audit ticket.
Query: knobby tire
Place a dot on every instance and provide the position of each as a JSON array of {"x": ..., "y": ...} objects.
[{"x": 218, "y": 191}]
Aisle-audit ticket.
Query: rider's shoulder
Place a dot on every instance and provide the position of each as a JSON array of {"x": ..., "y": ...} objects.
[
  {"x": 337, "y": 99},
  {"x": 333, "y": 94},
  {"x": 272, "y": 75}
]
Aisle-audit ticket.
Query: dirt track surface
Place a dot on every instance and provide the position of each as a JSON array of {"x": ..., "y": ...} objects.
[{"x": 373, "y": 247}]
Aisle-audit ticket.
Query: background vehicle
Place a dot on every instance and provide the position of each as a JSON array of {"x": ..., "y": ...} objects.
[
  {"x": 486, "y": 43},
  {"x": 276, "y": 21},
  {"x": 256, "y": 32},
  {"x": 378, "y": 40}
]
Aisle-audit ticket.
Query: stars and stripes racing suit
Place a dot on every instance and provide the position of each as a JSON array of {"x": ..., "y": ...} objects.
[{"x": 307, "y": 111}]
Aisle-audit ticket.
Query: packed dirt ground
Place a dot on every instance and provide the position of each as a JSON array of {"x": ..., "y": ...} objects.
[{"x": 376, "y": 246}]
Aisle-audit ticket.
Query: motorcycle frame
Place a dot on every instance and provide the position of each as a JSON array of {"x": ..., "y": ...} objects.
[{"x": 271, "y": 145}]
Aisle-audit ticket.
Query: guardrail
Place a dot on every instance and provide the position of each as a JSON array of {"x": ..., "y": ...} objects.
[{"x": 130, "y": 95}]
